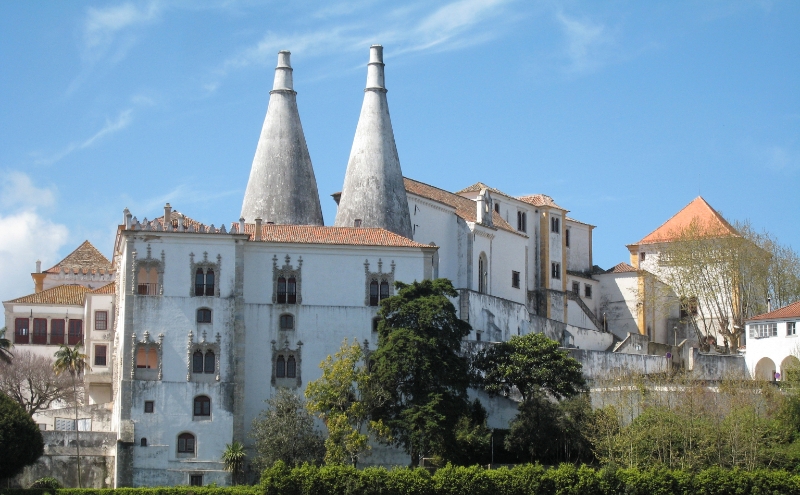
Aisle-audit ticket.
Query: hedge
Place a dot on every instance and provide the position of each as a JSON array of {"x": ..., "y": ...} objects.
[{"x": 566, "y": 479}]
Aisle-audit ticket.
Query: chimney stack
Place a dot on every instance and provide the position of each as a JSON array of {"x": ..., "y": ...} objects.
[
  {"x": 257, "y": 235},
  {"x": 126, "y": 218},
  {"x": 167, "y": 217},
  {"x": 38, "y": 278},
  {"x": 769, "y": 305}
]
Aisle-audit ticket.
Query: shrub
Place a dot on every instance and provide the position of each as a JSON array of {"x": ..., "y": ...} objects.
[{"x": 47, "y": 483}]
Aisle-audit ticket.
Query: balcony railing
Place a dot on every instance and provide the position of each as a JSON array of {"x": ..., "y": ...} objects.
[{"x": 147, "y": 289}]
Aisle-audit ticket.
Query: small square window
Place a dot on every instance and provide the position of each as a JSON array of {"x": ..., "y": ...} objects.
[
  {"x": 196, "y": 480},
  {"x": 515, "y": 279},
  {"x": 587, "y": 291},
  {"x": 149, "y": 406}
]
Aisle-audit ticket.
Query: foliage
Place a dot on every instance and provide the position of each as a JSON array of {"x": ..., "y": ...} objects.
[
  {"x": 419, "y": 364},
  {"x": 33, "y": 383},
  {"x": 21, "y": 441},
  {"x": 529, "y": 363},
  {"x": 566, "y": 479},
  {"x": 233, "y": 458},
  {"x": 46, "y": 482},
  {"x": 344, "y": 397},
  {"x": 73, "y": 362},
  {"x": 677, "y": 423},
  {"x": 285, "y": 432},
  {"x": 473, "y": 437},
  {"x": 5, "y": 347}
]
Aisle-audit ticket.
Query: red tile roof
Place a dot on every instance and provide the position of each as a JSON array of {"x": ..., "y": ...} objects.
[
  {"x": 106, "y": 289},
  {"x": 479, "y": 186},
  {"x": 698, "y": 210},
  {"x": 465, "y": 207},
  {"x": 71, "y": 295},
  {"x": 311, "y": 234},
  {"x": 85, "y": 259},
  {"x": 790, "y": 311},
  {"x": 622, "y": 268},
  {"x": 540, "y": 200}
]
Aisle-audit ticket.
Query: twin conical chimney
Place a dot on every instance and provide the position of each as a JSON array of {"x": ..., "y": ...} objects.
[
  {"x": 282, "y": 188},
  {"x": 373, "y": 194}
]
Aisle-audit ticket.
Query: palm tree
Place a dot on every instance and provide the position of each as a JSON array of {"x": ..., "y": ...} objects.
[
  {"x": 233, "y": 459},
  {"x": 72, "y": 361},
  {"x": 5, "y": 347}
]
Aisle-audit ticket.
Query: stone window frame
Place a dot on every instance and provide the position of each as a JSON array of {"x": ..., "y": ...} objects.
[
  {"x": 286, "y": 351},
  {"x": 287, "y": 271},
  {"x": 148, "y": 262},
  {"x": 380, "y": 276},
  {"x": 203, "y": 346},
  {"x": 184, "y": 453},
  {"x": 204, "y": 265},
  {"x": 147, "y": 344}
]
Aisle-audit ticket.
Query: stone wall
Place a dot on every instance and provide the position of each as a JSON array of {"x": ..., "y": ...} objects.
[{"x": 60, "y": 460}]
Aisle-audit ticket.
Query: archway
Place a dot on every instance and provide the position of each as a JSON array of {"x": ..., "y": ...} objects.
[
  {"x": 790, "y": 368},
  {"x": 765, "y": 370}
]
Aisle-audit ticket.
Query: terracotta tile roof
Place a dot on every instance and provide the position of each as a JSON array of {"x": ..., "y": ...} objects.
[
  {"x": 312, "y": 234},
  {"x": 621, "y": 268},
  {"x": 71, "y": 295},
  {"x": 106, "y": 289},
  {"x": 540, "y": 200},
  {"x": 479, "y": 186},
  {"x": 570, "y": 219},
  {"x": 710, "y": 220},
  {"x": 790, "y": 311},
  {"x": 85, "y": 259},
  {"x": 174, "y": 217},
  {"x": 465, "y": 208}
]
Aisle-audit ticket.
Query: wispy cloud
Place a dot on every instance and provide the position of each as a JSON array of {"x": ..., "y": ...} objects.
[
  {"x": 585, "y": 41},
  {"x": 412, "y": 28},
  {"x": 111, "y": 126},
  {"x": 103, "y": 25}
]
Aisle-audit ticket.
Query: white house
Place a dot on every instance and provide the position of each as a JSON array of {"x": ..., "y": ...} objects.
[{"x": 773, "y": 347}]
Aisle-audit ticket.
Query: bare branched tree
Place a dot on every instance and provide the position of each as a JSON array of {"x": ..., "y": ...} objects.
[{"x": 30, "y": 380}]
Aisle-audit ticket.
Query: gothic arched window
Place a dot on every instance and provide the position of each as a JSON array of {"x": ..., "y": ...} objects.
[
  {"x": 197, "y": 362},
  {"x": 483, "y": 274},
  {"x": 291, "y": 367},
  {"x": 210, "y": 282},
  {"x": 210, "y": 365},
  {"x": 384, "y": 290},
  {"x": 281, "y": 290},
  {"x": 280, "y": 367},
  {"x": 199, "y": 282},
  {"x": 373, "y": 293},
  {"x": 291, "y": 291}
]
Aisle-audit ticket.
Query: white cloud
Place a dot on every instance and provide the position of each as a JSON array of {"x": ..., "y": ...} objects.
[
  {"x": 585, "y": 40},
  {"x": 102, "y": 25},
  {"x": 111, "y": 126},
  {"x": 27, "y": 235},
  {"x": 413, "y": 28}
]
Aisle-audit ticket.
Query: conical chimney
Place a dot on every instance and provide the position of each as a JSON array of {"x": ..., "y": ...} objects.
[
  {"x": 373, "y": 194},
  {"x": 282, "y": 188}
]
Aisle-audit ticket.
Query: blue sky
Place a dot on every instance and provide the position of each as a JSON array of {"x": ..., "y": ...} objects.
[{"x": 621, "y": 111}]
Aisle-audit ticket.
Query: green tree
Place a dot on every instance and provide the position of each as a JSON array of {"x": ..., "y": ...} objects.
[
  {"x": 285, "y": 431},
  {"x": 21, "y": 441},
  {"x": 5, "y": 347},
  {"x": 72, "y": 361},
  {"x": 420, "y": 366},
  {"x": 233, "y": 458},
  {"x": 473, "y": 437},
  {"x": 344, "y": 398},
  {"x": 529, "y": 363}
]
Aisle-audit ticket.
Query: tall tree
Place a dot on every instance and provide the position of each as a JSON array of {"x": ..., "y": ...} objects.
[
  {"x": 420, "y": 366},
  {"x": 5, "y": 347},
  {"x": 344, "y": 398},
  {"x": 33, "y": 383},
  {"x": 529, "y": 363},
  {"x": 73, "y": 362},
  {"x": 21, "y": 441},
  {"x": 724, "y": 278},
  {"x": 285, "y": 432}
]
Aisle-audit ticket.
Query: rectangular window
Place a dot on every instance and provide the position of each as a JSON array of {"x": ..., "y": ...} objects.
[
  {"x": 101, "y": 320},
  {"x": 566, "y": 236},
  {"x": 497, "y": 207},
  {"x": 576, "y": 288},
  {"x": 522, "y": 221},
  {"x": 555, "y": 225},
  {"x": 791, "y": 329},
  {"x": 642, "y": 256},
  {"x": 764, "y": 330},
  {"x": 100, "y": 355},
  {"x": 56, "y": 332},
  {"x": 75, "y": 335},
  {"x": 587, "y": 291},
  {"x": 196, "y": 480},
  {"x": 40, "y": 331},
  {"x": 515, "y": 279},
  {"x": 556, "y": 270},
  {"x": 21, "y": 331},
  {"x": 149, "y": 406}
]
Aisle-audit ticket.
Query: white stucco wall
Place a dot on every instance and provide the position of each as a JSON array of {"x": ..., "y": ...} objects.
[{"x": 774, "y": 353}]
